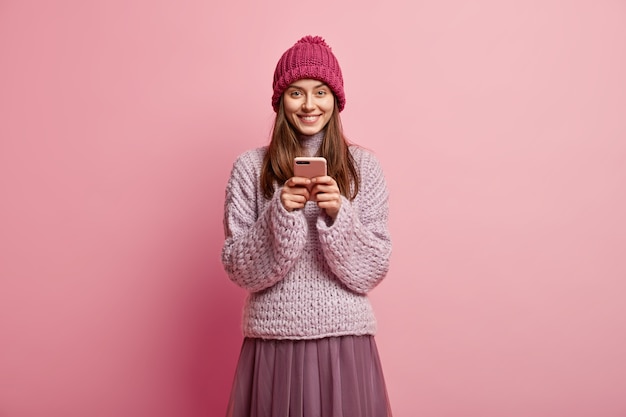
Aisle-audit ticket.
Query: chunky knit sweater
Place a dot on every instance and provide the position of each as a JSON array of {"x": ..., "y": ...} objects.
[{"x": 307, "y": 276}]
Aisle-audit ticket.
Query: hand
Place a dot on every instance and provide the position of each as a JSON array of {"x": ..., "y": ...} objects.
[
  {"x": 326, "y": 193},
  {"x": 295, "y": 193}
]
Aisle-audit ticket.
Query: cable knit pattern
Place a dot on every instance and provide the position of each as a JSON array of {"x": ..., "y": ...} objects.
[{"x": 307, "y": 276}]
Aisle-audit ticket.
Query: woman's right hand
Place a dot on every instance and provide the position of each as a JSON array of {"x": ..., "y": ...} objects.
[{"x": 295, "y": 194}]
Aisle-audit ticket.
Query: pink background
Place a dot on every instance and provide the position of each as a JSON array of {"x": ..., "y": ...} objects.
[{"x": 501, "y": 127}]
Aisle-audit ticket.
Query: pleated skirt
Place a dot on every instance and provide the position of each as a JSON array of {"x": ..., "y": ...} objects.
[{"x": 329, "y": 377}]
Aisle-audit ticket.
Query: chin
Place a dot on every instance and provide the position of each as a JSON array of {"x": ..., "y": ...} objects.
[{"x": 310, "y": 130}]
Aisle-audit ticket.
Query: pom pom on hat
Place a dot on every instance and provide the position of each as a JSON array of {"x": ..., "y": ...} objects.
[
  {"x": 310, "y": 57},
  {"x": 313, "y": 39}
]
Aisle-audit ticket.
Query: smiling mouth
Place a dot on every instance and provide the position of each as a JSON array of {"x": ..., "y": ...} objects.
[{"x": 309, "y": 119}]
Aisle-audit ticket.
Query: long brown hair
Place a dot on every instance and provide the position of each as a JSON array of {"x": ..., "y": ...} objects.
[{"x": 285, "y": 146}]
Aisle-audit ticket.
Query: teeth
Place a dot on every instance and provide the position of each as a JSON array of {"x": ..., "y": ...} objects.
[{"x": 309, "y": 118}]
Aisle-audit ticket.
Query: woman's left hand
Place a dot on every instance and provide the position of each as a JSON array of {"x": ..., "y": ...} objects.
[{"x": 325, "y": 193}]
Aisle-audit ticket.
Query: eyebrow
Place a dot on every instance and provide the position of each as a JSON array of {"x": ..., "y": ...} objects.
[{"x": 300, "y": 88}]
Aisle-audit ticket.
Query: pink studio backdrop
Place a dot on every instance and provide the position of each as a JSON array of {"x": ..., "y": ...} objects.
[{"x": 501, "y": 127}]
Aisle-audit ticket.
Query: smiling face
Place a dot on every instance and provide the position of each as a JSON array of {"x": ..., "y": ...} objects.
[{"x": 308, "y": 105}]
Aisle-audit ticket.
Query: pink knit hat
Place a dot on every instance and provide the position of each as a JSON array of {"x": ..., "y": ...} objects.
[{"x": 311, "y": 58}]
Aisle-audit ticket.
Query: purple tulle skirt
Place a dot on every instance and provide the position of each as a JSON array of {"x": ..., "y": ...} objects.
[{"x": 330, "y": 377}]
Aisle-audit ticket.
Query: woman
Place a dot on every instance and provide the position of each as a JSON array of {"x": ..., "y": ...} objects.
[{"x": 308, "y": 251}]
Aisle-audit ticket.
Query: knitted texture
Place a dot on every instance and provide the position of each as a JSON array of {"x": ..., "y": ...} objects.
[
  {"x": 307, "y": 277},
  {"x": 311, "y": 58}
]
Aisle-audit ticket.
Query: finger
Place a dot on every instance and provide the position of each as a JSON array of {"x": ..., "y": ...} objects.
[
  {"x": 318, "y": 188},
  {"x": 295, "y": 188},
  {"x": 327, "y": 197},
  {"x": 328, "y": 192},
  {"x": 298, "y": 181},
  {"x": 328, "y": 204},
  {"x": 331, "y": 208},
  {"x": 293, "y": 202},
  {"x": 324, "y": 180},
  {"x": 291, "y": 206},
  {"x": 296, "y": 197},
  {"x": 302, "y": 192}
]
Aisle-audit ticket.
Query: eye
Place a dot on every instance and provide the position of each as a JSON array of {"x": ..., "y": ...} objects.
[
  {"x": 322, "y": 93},
  {"x": 295, "y": 93}
]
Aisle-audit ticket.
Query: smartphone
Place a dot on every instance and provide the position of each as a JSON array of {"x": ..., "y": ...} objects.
[{"x": 309, "y": 166}]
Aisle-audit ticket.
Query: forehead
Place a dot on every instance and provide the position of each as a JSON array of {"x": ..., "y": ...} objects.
[{"x": 307, "y": 83}]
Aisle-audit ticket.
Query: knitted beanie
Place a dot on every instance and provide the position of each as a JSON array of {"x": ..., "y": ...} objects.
[{"x": 311, "y": 58}]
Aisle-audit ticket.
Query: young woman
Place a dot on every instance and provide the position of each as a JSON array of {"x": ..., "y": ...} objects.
[{"x": 308, "y": 251}]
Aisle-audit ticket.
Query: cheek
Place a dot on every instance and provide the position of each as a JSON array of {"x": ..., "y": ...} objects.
[
  {"x": 290, "y": 106},
  {"x": 330, "y": 105}
]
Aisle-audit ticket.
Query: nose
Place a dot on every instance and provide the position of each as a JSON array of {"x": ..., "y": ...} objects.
[{"x": 308, "y": 105}]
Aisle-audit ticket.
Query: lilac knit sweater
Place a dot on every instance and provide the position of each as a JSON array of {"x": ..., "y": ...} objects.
[{"x": 307, "y": 276}]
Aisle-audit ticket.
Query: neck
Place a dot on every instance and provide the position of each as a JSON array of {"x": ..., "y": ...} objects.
[{"x": 311, "y": 143}]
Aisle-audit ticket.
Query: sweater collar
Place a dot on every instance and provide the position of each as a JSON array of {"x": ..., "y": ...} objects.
[{"x": 311, "y": 143}]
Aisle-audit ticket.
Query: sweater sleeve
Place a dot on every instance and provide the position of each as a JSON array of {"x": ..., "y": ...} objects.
[
  {"x": 357, "y": 245},
  {"x": 259, "y": 248}
]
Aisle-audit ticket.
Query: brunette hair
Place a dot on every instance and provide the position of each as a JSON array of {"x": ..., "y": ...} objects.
[{"x": 284, "y": 147}]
